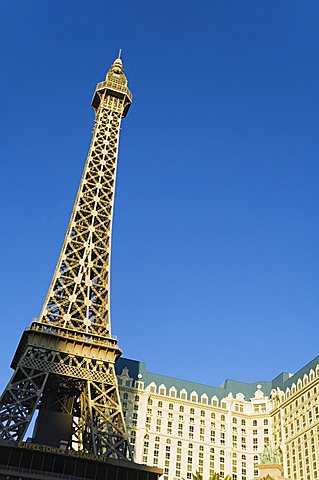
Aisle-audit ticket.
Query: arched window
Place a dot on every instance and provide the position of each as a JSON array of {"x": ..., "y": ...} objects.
[
  {"x": 215, "y": 401},
  {"x": 183, "y": 394},
  {"x": 162, "y": 390},
  {"x": 153, "y": 388},
  {"x": 194, "y": 397},
  {"x": 204, "y": 399},
  {"x": 172, "y": 392}
]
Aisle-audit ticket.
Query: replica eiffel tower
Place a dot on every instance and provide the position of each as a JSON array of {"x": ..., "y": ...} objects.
[{"x": 64, "y": 363}]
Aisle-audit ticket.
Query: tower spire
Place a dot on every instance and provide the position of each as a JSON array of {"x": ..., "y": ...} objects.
[{"x": 64, "y": 364}]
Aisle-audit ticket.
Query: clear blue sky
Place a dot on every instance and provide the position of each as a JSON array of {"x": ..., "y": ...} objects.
[{"x": 215, "y": 268}]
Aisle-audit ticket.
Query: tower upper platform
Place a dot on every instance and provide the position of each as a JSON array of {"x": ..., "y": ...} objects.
[{"x": 115, "y": 84}]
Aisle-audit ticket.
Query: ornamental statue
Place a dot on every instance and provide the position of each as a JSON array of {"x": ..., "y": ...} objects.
[{"x": 269, "y": 456}]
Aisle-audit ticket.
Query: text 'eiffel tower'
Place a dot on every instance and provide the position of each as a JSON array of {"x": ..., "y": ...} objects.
[{"x": 64, "y": 363}]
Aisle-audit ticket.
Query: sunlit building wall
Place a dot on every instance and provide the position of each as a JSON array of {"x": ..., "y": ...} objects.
[
  {"x": 296, "y": 423},
  {"x": 184, "y": 427}
]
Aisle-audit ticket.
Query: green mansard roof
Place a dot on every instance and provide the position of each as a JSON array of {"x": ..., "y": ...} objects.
[{"x": 138, "y": 371}]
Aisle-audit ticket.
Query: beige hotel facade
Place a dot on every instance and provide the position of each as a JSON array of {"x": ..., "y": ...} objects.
[{"x": 184, "y": 427}]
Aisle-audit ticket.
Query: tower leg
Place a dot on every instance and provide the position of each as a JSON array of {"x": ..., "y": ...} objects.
[
  {"x": 104, "y": 431},
  {"x": 19, "y": 401}
]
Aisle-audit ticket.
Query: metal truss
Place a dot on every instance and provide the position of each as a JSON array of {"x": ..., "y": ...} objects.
[
  {"x": 79, "y": 295},
  {"x": 64, "y": 364}
]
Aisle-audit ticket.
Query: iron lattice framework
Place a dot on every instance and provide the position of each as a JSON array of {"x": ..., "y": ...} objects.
[{"x": 64, "y": 364}]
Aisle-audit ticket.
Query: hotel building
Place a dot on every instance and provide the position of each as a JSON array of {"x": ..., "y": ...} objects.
[{"x": 184, "y": 427}]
